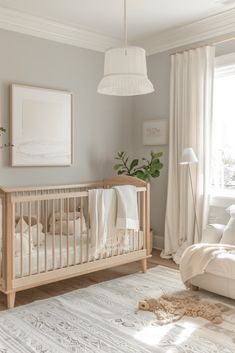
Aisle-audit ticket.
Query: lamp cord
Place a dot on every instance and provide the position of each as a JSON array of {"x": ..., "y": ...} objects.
[{"x": 125, "y": 27}]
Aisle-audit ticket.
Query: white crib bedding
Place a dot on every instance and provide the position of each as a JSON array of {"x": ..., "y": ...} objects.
[{"x": 115, "y": 245}]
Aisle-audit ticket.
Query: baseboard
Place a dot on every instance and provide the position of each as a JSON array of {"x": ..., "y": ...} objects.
[{"x": 158, "y": 242}]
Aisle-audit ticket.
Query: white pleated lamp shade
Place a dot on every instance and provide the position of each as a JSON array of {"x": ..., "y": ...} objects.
[
  {"x": 125, "y": 73},
  {"x": 188, "y": 156}
]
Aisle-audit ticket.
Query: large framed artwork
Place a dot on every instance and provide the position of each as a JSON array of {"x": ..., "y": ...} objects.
[
  {"x": 41, "y": 126},
  {"x": 155, "y": 132}
]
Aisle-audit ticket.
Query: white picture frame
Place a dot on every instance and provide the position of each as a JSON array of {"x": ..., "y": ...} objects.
[
  {"x": 155, "y": 132},
  {"x": 41, "y": 127}
]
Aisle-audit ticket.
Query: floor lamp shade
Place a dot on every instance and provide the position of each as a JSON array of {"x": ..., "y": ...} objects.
[
  {"x": 188, "y": 156},
  {"x": 125, "y": 72}
]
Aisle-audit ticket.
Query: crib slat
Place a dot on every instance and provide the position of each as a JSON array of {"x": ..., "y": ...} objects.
[
  {"x": 110, "y": 251},
  {"x": 118, "y": 247},
  {"x": 38, "y": 241},
  {"x": 45, "y": 222},
  {"x": 133, "y": 239},
  {"x": 67, "y": 218},
  {"x": 60, "y": 233},
  {"x": 13, "y": 240},
  {"x": 30, "y": 240},
  {"x": 53, "y": 234},
  {"x": 87, "y": 237},
  {"x": 138, "y": 233},
  {"x": 143, "y": 218},
  {"x": 21, "y": 239},
  {"x": 81, "y": 228},
  {"x": 74, "y": 231}
]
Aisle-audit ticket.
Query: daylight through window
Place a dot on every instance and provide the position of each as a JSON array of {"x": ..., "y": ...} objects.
[{"x": 223, "y": 132}]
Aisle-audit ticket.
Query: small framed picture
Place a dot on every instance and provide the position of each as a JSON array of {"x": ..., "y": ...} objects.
[
  {"x": 41, "y": 123},
  {"x": 155, "y": 132}
]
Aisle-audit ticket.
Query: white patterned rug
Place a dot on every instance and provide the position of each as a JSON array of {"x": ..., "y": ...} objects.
[{"x": 104, "y": 318}]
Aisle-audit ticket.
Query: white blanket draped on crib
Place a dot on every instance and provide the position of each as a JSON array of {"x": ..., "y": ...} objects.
[
  {"x": 102, "y": 213},
  {"x": 127, "y": 208},
  {"x": 112, "y": 211}
]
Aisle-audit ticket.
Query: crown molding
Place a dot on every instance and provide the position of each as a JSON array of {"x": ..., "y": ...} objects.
[
  {"x": 210, "y": 27},
  {"x": 207, "y": 28},
  {"x": 38, "y": 27}
]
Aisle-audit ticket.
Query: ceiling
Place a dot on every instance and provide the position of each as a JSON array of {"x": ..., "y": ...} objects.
[{"x": 145, "y": 17}]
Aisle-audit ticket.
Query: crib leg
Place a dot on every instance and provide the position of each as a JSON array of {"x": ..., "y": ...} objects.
[
  {"x": 194, "y": 288},
  {"x": 11, "y": 300},
  {"x": 144, "y": 265}
]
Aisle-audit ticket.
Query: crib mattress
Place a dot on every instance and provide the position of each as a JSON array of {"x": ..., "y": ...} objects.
[{"x": 68, "y": 256}]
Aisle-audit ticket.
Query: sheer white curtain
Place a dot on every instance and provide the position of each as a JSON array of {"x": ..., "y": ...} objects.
[{"x": 190, "y": 126}]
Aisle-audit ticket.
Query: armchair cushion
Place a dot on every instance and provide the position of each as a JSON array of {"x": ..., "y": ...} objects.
[
  {"x": 229, "y": 233},
  {"x": 213, "y": 233}
]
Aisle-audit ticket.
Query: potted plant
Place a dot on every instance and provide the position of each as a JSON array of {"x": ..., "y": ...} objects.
[{"x": 148, "y": 168}]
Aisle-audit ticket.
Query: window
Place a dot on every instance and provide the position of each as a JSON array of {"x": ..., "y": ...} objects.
[{"x": 223, "y": 131}]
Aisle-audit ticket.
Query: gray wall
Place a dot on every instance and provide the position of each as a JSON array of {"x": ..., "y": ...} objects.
[
  {"x": 155, "y": 106},
  {"x": 225, "y": 48},
  {"x": 102, "y": 124}
]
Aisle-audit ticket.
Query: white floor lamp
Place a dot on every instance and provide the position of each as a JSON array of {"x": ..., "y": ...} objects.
[{"x": 189, "y": 157}]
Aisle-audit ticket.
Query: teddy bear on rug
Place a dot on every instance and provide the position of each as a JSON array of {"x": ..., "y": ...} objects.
[{"x": 170, "y": 308}]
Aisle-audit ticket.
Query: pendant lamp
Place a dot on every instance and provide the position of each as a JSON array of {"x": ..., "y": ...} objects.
[{"x": 125, "y": 70}]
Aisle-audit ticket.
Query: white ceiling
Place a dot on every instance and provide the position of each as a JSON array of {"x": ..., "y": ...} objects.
[{"x": 145, "y": 17}]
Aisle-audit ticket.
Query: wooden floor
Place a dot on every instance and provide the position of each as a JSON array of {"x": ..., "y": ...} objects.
[{"x": 68, "y": 285}]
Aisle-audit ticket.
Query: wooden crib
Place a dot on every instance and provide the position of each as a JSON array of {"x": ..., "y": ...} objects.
[{"x": 56, "y": 243}]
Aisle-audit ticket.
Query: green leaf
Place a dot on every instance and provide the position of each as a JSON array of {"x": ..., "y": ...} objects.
[
  {"x": 121, "y": 154},
  {"x": 156, "y": 154},
  {"x": 134, "y": 163},
  {"x": 122, "y": 171},
  {"x": 155, "y": 174},
  {"x": 156, "y": 164},
  {"x": 141, "y": 175},
  {"x": 2, "y": 130},
  {"x": 117, "y": 166}
]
